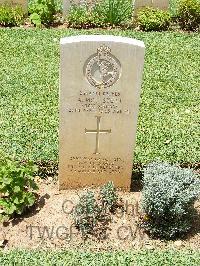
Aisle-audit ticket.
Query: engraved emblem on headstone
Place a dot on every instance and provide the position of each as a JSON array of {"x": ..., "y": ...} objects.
[{"x": 102, "y": 69}]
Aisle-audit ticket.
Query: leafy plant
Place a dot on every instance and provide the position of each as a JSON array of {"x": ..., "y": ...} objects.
[
  {"x": 108, "y": 196},
  {"x": 43, "y": 11},
  {"x": 173, "y": 6},
  {"x": 92, "y": 216},
  {"x": 150, "y": 19},
  {"x": 168, "y": 197},
  {"x": 103, "y": 13},
  {"x": 82, "y": 16},
  {"x": 86, "y": 214},
  {"x": 17, "y": 186},
  {"x": 11, "y": 16},
  {"x": 189, "y": 14},
  {"x": 36, "y": 19},
  {"x": 114, "y": 12}
]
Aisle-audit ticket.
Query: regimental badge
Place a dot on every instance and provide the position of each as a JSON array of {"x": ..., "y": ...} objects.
[{"x": 102, "y": 69}]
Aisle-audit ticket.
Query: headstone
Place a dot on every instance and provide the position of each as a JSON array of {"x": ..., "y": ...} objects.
[
  {"x": 160, "y": 4},
  {"x": 100, "y": 81},
  {"x": 22, "y": 3}
]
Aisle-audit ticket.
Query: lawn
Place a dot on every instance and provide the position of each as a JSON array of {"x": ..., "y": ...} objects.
[
  {"x": 168, "y": 127},
  {"x": 73, "y": 258}
]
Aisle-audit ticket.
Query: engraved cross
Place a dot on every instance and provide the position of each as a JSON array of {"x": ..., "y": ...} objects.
[{"x": 97, "y": 131}]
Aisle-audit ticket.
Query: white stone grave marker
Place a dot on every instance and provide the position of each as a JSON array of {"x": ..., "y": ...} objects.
[{"x": 100, "y": 81}]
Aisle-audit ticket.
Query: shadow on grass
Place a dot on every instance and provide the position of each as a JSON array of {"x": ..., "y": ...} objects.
[{"x": 195, "y": 229}]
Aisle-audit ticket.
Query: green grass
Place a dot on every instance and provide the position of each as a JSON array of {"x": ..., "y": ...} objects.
[
  {"x": 169, "y": 117},
  {"x": 154, "y": 258}
]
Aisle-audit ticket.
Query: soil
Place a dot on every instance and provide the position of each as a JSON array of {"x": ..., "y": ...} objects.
[{"x": 49, "y": 224}]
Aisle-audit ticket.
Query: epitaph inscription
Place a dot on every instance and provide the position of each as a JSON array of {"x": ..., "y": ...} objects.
[
  {"x": 96, "y": 165},
  {"x": 99, "y": 99}
]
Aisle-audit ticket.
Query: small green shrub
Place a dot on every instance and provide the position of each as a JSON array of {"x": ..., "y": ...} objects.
[
  {"x": 168, "y": 197},
  {"x": 86, "y": 214},
  {"x": 108, "y": 196},
  {"x": 11, "y": 16},
  {"x": 114, "y": 12},
  {"x": 91, "y": 216},
  {"x": 17, "y": 187},
  {"x": 103, "y": 13},
  {"x": 43, "y": 11},
  {"x": 173, "y": 6},
  {"x": 150, "y": 19},
  {"x": 82, "y": 16},
  {"x": 36, "y": 19},
  {"x": 189, "y": 14}
]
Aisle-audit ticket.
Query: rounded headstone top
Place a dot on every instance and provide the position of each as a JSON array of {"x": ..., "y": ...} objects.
[{"x": 101, "y": 38}]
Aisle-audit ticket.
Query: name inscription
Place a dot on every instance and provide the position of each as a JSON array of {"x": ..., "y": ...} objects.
[{"x": 101, "y": 102}]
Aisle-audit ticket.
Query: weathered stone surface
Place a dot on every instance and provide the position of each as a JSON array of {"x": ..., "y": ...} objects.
[
  {"x": 22, "y": 3},
  {"x": 161, "y": 4},
  {"x": 100, "y": 80},
  {"x": 137, "y": 4}
]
